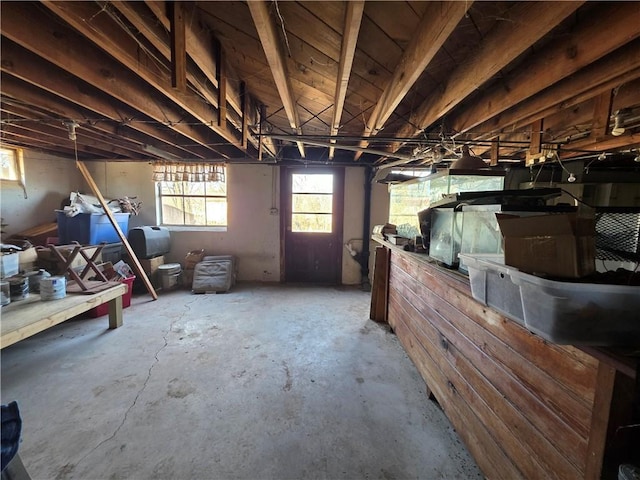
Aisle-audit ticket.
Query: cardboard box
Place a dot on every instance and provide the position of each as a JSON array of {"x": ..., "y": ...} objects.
[
  {"x": 557, "y": 245},
  {"x": 193, "y": 258},
  {"x": 150, "y": 265}
]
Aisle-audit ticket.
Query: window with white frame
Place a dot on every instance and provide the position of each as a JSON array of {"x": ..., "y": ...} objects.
[
  {"x": 191, "y": 195},
  {"x": 11, "y": 164},
  {"x": 12, "y": 168}
]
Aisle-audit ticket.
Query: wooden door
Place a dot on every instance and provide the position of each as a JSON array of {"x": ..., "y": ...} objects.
[{"x": 312, "y": 207}]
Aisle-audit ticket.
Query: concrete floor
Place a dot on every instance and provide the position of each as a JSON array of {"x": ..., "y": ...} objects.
[{"x": 264, "y": 382}]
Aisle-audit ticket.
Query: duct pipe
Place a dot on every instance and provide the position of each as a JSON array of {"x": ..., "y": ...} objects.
[{"x": 366, "y": 230}]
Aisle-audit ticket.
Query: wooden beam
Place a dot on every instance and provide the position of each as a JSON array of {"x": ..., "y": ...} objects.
[
  {"x": 437, "y": 25},
  {"x": 35, "y": 31},
  {"x": 606, "y": 30},
  {"x": 601, "y": 114},
  {"x": 57, "y": 134},
  {"x": 123, "y": 238},
  {"x": 495, "y": 153},
  {"x": 199, "y": 47},
  {"x": 535, "y": 146},
  {"x": 178, "y": 46},
  {"x": 617, "y": 69},
  {"x": 352, "y": 20},
  {"x": 273, "y": 52},
  {"x": 108, "y": 35},
  {"x": 438, "y": 22},
  {"x": 245, "y": 107},
  {"x": 222, "y": 92},
  {"x": 37, "y": 84},
  {"x": 524, "y": 24},
  {"x": 609, "y": 143}
]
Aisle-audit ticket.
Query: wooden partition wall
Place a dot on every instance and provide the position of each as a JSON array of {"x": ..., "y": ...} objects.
[{"x": 524, "y": 407}]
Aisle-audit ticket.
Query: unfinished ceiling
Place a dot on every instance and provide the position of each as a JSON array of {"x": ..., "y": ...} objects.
[{"x": 362, "y": 83}]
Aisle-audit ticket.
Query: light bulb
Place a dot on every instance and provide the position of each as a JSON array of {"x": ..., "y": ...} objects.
[
  {"x": 572, "y": 178},
  {"x": 618, "y": 125}
]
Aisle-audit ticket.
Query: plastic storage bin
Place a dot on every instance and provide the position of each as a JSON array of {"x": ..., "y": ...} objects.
[
  {"x": 149, "y": 241},
  {"x": 580, "y": 313},
  {"x": 112, "y": 252},
  {"x": 568, "y": 313},
  {"x": 103, "y": 308},
  {"x": 90, "y": 228},
  {"x": 491, "y": 284}
]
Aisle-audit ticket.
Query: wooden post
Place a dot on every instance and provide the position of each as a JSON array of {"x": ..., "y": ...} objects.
[{"x": 137, "y": 267}]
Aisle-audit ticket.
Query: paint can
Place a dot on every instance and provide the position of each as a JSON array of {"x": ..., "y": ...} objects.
[
  {"x": 5, "y": 293},
  {"x": 35, "y": 278},
  {"x": 53, "y": 288},
  {"x": 170, "y": 274},
  {"x": 18, "y": 288}
]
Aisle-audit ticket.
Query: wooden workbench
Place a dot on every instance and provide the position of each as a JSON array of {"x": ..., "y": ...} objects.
[
  {"x": 525, "y": 407},
  {"x": 21, "y": 319}
]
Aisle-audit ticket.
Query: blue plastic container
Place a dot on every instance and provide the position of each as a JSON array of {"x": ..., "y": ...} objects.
[{"x": 90, "y": 228}]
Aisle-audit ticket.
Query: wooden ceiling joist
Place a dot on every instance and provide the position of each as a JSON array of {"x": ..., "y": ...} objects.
[
  {"x": 51, "y": 129},
  {"x": 110, "y": 38},
  {"x": 72, "y": 53},
  {"x": 200, "y": 46},
  {"x": 601, "y": 114},
  {"x": 523, "y": 25},
  {"x": 32, "y": 73},
  {"x": 435, "y": 28},
  {"x": 615, "y": 69},
  {"x": 599, "y": 36},
  {"x": 352, "y": 20},
  {"x": 275, "y": 57},
  {"x": 178, "y": 47}
]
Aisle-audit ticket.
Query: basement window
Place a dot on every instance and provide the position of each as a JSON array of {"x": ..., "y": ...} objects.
[
  {"x": 183, "y": 203},
  {"x": 12, "y": 168}
]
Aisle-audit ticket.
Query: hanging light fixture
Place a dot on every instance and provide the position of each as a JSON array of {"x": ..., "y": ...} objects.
[
  {"x": 618, "y": 123},
  {"x": 467, "y": 161}
]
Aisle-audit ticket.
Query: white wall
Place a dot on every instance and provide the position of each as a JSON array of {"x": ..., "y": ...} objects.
[
  {"x": 253, "y": 233},
  {"x": 352, "y": 229},
  {"x": 49, "y": 180},
  {"x": 379, "y": 216}
]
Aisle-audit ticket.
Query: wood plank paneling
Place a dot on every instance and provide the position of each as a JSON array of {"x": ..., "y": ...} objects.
[
  {"x": 488, "y": 454},
  {"x": 531, "y": 401},
  {"x": 512, "y": 409},
  {"x": 532, "y": 385}
]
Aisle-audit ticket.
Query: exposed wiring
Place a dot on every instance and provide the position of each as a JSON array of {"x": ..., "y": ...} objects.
[
  {"x": 572, "y": 177},
  {"x": 284, "y": 32}
]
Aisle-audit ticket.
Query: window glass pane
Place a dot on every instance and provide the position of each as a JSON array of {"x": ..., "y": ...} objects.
[
  {"x": 216, "y": 188},
  {"x": 216, "y": 211},
  {"x": 312, "y": 183},
  {"x": 8, "y": 164},
  {"x": 171, "y": 188},
  {"x": 312, "y": 203},
  {"x": 194, "y": 188},
  {"x": 301, "y": 222},
  {"x": 172, "y": 211},
  {"x": 195, "y": 211}
]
